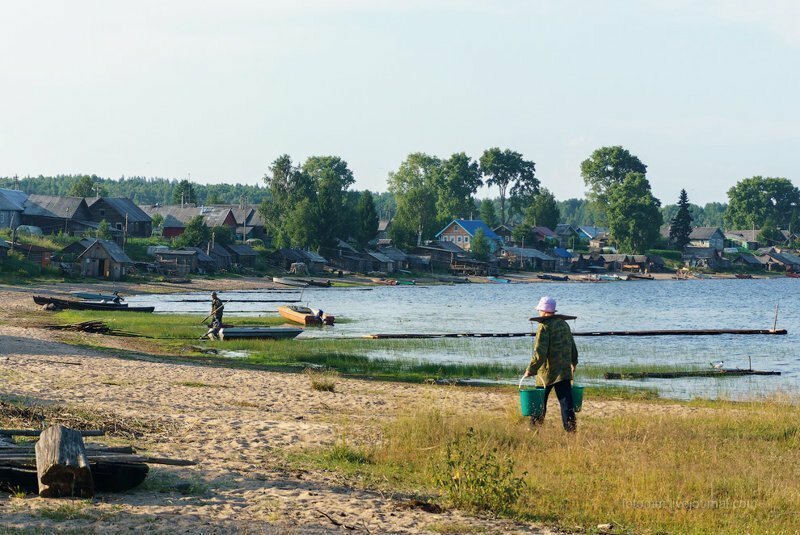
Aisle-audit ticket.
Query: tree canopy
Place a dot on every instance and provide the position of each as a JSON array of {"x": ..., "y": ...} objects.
[
  {"x": 512, "y": 174},
  {"x": 366, "y": 219},
  {"x": 488, "y": 213},
  {"x": 755, "y": 200},
  {"x": 184, "y": 193},
  {"x": 634, "y": 217},
  {"x": 607, "y": 167},
  {"x": 480, "y": 245},
  {"x": 543, "y": 212},
  {"x": 413, "y": 186},
  {"x": 456, "y": 180},
  {"x": 84, "y": 186},
  {"x": 195, "y": 234}
]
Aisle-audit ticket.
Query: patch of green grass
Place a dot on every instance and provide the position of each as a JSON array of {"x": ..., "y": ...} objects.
[
  {"x": 165, "y": 481},
  {"x": 322, "y": 381},
  {"x": 73, "y": 510}
]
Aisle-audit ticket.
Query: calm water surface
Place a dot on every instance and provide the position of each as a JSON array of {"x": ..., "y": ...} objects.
[{"x": 748, "y": 304}]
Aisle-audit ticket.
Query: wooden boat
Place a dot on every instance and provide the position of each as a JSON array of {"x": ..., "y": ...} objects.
[
  {"x": 94, "y": 297},
  {"x": 290, "y": 282},
  {"x": 743, "y": 276},
  {"x": 87, "y": 305},
  {"x": 639, "y": 277},
  {"x": 793, "y": 275},
  {"x": 497, "y": 280},
  {"x": 609, "y": 277},
  {"x": 559, "y": 278},
  {"x": 318, "y": 283},
  {"x": 387, "y": 282},
  {"x": 269, "y": 333},
  {"x": 305, "y": 315}
]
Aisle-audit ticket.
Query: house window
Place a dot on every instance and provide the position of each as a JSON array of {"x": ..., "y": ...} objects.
[
  {"x": 458, "y": 239},
  {"x": 2, "y": 217},
  {"x": 119, "y": 226},
  {"x": 466, "y": 239},
  {"x": 102, "y": 213}
]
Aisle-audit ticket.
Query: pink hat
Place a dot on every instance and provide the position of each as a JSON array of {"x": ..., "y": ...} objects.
[{"x": 546, "y": 304}]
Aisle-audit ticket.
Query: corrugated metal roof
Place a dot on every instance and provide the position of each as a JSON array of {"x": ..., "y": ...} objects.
[{"x": 471, "y": 226}]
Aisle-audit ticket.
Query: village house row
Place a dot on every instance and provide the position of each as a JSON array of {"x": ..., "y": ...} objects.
[{"x": 552, "y": 250}]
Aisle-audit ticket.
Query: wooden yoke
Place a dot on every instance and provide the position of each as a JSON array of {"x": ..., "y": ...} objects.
[{"x": 62, "y": 466}]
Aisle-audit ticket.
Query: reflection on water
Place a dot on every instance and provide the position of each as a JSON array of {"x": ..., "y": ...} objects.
[{"x": 747, "y": 304}]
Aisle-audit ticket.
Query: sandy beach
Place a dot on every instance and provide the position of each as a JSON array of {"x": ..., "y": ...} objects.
[{"x": 239, "y": 425}]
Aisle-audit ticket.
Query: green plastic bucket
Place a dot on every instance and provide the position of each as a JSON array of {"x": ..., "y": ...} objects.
[
  {"x": 531, "y": 401},
  {"x": 577, "y": 397}
]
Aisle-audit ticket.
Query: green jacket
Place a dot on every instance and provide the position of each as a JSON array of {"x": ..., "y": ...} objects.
[{"x": 554, "y": 352}]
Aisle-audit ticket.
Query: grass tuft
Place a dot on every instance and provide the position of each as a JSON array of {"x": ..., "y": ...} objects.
[{"x": 322, "y": 381}]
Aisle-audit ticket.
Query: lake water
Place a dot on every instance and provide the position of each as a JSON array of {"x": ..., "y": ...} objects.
[{"x": 693, "y": 304}]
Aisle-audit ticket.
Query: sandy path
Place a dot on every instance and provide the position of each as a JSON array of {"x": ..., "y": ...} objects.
[{"x": 240, "y": 424}]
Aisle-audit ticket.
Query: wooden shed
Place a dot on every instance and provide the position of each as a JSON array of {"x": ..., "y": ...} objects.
[{"x": 104, "y": 259}]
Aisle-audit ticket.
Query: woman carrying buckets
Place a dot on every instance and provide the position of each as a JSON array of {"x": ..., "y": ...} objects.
[{"x": 554, "y": 360}]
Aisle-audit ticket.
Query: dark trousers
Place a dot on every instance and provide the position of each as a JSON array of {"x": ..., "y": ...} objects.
[{"x": 564, "y": 394}]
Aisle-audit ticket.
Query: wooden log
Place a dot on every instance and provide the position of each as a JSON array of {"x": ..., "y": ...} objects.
[
  {"x": 62, "y": 466},
  {"x": 36, "y": 432}
]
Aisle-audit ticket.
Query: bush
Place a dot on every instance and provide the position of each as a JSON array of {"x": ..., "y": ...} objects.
[{"x": 476, "y": 480}]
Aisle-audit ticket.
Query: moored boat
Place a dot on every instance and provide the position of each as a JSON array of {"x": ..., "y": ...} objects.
[
  {"x": 305, "y": 316},
  {"x": 743, "y": 276},
  {"x": 95, "y": 297},
  {"x": 269, "y": 333},
  {"x": 548, "y": 277},
  {"x": 87, "y": 305},
  {"x": 497, "y": 280},
  {"x": 290, "y": 282},
  {"x": 639, "y": 277}
]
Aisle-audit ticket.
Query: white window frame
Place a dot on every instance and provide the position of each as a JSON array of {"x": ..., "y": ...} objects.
[{"x": 458, "y": 239}]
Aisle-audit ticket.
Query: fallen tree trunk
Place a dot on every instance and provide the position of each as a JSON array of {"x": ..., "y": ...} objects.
[{"x": 62, "y": 466}]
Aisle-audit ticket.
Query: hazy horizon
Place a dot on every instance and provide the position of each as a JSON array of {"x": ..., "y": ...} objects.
[{"x": 704, "y": 94}]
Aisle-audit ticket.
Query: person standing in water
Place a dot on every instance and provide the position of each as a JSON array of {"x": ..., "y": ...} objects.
[{"x": 554, "y": 360}]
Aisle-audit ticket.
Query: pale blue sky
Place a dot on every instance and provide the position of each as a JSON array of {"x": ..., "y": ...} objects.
[{"x": 705, "y": 93}]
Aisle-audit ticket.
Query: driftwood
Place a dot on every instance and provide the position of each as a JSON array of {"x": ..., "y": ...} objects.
[
  {"x": 92, "y": 326},
  {"x": 36, "y": 433},
  {"x": 62, "y": 465}
]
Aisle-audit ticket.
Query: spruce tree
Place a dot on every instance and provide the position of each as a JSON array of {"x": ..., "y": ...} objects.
[{"x": 681, "y": 224}]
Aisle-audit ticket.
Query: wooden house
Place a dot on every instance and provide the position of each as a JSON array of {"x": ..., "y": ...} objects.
[
  {"x": 505, "y": 232},
  {"x": 55, "y": 214},
  {"x": 400, "y": 259},
  {"x": 36, "y": 254},
  {"x": 177, "y": 262},
  {"x": 242, "y": 255},
  {"x": 223, "y": 258},
  {"x": 381, "y": 262},
  {"x": 12, "y": 204},
  {"x": 747, "y": 261},
  {"x": 122, "y": 214},
  {"x": 527, "y": 258},
  {"x": 703, "y": 237},
  {"x": 704, "y": 257},
  {"x": 563, "y": 258},
  {"x": 205, "y": 264},
  {"x": 566, "y": 235},
  {"x": 462, "y": 231},
  {"x": 104, "y": 259},
  {"x": 176, "y": 217}
]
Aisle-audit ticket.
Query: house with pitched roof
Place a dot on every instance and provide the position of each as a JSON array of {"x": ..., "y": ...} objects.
[
  {"x": 122, "y": 214},
  {"x": 462, "y": 231},
  {"x": 176, "y": 217},
  {"x": 53, "y": 214},
  {"x": 707, "y": 237},
  {"x": 12, "y": 204},
  {"x": 104, "y": 259}
]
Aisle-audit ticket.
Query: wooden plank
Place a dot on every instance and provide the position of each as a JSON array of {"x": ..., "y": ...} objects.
[{"x": 62, "y": 465}]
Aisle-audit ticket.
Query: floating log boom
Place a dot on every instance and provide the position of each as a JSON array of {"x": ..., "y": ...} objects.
[
  {"x": 681, "y": 374},
  {"x": 669, "y": 332}
]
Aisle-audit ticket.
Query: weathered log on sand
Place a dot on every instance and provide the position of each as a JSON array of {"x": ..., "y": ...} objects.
[{"x": 62, "y": 466}]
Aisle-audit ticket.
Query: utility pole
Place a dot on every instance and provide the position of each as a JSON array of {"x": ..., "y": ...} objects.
[
  {"x": 244, "y": 230},
  {"x": 125, "y": 232},
  {"x": 16, "y": 182}
]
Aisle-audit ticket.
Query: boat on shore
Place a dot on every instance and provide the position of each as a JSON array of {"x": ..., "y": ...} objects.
[
  {"x": 385, "y": 282},
  {"x": 639, "y": 277},
  {"x": 557, "y": 278},
  {"x": 266, "y": 333},
  {"x": 305, "y": 315},
  {"x": 95, "y": 297},
  {"x": 743, "y": 276},
  {"x": 290, "y": 282},
  {"x": 87, "y": 305},
  {"x": 497, "y": 280}
]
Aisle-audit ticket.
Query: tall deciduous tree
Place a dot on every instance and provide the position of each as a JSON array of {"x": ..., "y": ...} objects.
[
  {"x": 543, "y": 212},
  {"x": 414, "y": 189},
  {"x": 85, "y": 187},
  {"x": 634, "y": 217},
  {"x": 457, "y": 180},
  {"x": 681, "y": 225},
  {"x": 488, "y": 213},
  {"x": 755, "y": 200},
  {"x": 366, "y": 219},
  {"x": 770, "y": 234},
  {"x": 512, "y": 174},
  {"x": 607, "y": 167},
  {"x": 330, "y": 178},
  {"x": 184, "y": 193},
  {"x": 195, "y": 234}
]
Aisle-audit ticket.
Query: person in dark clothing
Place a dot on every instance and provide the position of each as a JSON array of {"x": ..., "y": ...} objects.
[
  {"x": 217, "y": 307},
  {"x": 554, "y": 360}
]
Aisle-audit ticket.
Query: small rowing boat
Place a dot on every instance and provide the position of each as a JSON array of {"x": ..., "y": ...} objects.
[
  {"x": 94, "y": 297},
  {"x": 559, "y": 278},
  {"x": 305, "y": 316},
  {"x": 87, "y": 305},
  {"x": 289, "y": 282},
  {"x": 266, "y": 333},
  {"x": 497, "y": 280}
]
